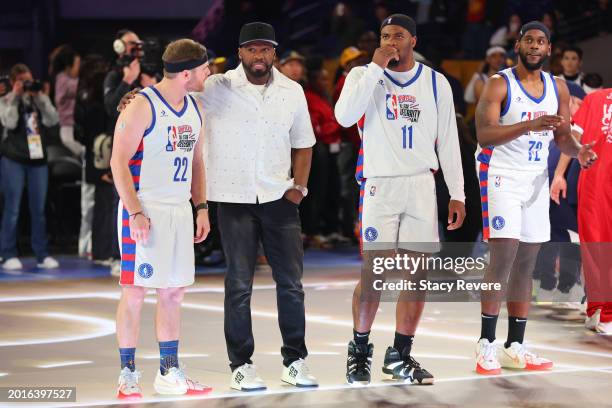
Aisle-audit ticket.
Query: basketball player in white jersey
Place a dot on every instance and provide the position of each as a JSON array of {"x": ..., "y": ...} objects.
[
  {"x": 406, "y": 119},
  {"x": 157, "y": 167},
  {"x": 520, "y": 111}
]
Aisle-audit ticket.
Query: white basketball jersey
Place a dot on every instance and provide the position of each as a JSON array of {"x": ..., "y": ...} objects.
[
  {"x": 528, "y": 151},
  {"x": 161, "y": 167},
  {"x": 400, "y": 126}
]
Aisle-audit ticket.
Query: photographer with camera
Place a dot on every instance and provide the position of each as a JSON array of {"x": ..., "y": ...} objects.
[
  {"x": 125, "y": 75},
  {"x": 25, "y": 113}
]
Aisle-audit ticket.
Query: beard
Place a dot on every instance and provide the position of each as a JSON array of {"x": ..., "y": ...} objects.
[
  {"x": 529, "y": 65},
  {"x": 258, "y": 73}
]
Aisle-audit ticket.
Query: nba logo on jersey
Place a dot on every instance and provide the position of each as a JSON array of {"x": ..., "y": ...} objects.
[
  {"x": 497, "y": 181},
  {"x": 372, "y": 191},
  {"x": 526, "y": 116},
  {"x": 172, "y": 138},
  {"x": 391, "y": 107}
]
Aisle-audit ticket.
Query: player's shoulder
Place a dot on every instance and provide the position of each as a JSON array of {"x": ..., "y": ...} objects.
[{"x": 284, "y": 81}]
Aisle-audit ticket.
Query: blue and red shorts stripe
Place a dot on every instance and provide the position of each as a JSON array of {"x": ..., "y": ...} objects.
[
  {"x": 128, "y": 245},
  {"x": 483, "y": 177}
]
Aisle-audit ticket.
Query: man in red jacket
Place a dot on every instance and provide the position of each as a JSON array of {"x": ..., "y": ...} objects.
[{"x": 593, "y": 123}]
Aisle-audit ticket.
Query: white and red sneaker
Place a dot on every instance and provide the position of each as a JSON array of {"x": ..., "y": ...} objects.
[
  {"x": 517, "y": 356},
  {"x": 486, "y": 358},
  {"x": 128, "y": 387},
  {"x": 176, "y": 382}
]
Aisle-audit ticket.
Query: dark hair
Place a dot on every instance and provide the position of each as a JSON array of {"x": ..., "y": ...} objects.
[
  {"x": 18, "y": 69},
  {"x": 91, "y": 78},
  {"x": 62, "y": 58},
  {"x": 593, "y": 80},
  {"x": 122, "y": 32},
  {"x": 575, "y": 49}
]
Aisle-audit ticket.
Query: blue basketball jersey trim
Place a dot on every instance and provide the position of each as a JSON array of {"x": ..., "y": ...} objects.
[
  {"x": 414, "y": 78},
  {"x": 180, "y": 113},
  {"x": 150, "y": 128},
  {"x": 552, "y": 78},
  {"x": 536, "y": 100},
  {"x": 195, "y": 105},
  {"x": 508, "y": 92},
  {"x": 435, "y": 87}
]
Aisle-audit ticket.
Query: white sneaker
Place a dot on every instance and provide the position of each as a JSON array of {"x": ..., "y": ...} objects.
[
  {"x": 245, "y": 378},
  {"x": 48, "y": 263},
  {"x": 298, "y": 374},
  {"x": 486, "y": 358},
  {"x": 517, "y": 356},
  {"x": 176, "y": 382},
  {"x": 604, "y": 328},
  {"x": 592, "y": 321},
  {"x": 12, "y": 264},
  {"x": 128, "y": 387}
]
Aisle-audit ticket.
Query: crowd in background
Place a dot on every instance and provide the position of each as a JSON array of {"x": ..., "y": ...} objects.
[{"x": 74, "y": 114}]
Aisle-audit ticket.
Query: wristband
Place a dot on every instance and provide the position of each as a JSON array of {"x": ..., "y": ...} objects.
[{"x": 202, "y": 206}]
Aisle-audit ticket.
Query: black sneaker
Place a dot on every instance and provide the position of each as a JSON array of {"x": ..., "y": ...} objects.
[
  {"x": 405, "y": 368},
  {"x": 359, "y": 363}
]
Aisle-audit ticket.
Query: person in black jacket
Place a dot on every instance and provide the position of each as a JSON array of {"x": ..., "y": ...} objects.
[
  {"x": 91, "y": 124},
  {"x": 25, "y": 113},
  {"x": 125, "y": 74}
]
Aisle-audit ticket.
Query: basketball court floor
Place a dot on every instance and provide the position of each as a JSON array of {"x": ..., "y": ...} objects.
[{"x": 57, "y": 329}]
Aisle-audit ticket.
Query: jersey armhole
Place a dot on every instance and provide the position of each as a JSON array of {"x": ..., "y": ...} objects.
[
  {"x": 435, "y": 87},
  {"x": 150, "y": 128},
  {"x": 554, "y": 82},
  {"x": 508, "y": 94},
  {"x": 195, "y": 105}
]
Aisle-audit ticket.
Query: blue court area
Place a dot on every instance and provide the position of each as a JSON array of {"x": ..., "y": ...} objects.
[{"x": 72, "y": 267}]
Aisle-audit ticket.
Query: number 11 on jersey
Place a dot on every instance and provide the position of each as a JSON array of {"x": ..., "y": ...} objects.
[{"x": 407, "y": 130}]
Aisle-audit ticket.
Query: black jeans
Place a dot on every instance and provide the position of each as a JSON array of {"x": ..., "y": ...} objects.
[{"x": 277, "y": 224}]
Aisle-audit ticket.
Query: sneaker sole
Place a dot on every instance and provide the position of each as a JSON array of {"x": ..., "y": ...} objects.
[
  {"x": 169, "y": 391},
  {"x": 249, "y": 389},
  {"x": 358, "y": 383},
  {"x": 300, "y": 385},
  {"x": 393, "y": 377},
  {"x": 484, "y": 371},
  {"x": 123, "y": 396}
]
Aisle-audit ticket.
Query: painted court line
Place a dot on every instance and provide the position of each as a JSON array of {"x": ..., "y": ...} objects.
[{"x": 339, "y": 387}]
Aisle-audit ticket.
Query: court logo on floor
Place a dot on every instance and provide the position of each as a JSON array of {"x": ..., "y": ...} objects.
[
  {"x": 498, "y": 222},
  {"x": 370, "y": 234},
  {"x": 145, "y": 270}
]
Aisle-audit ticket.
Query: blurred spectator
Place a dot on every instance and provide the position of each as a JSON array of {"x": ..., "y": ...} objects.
[
  {"x": 345, "y": 27},
  {"x": 495, "y": 62},
  {"x": 506, "y": 35},
  {"x": 571, "y": 61},
  {"x": 368, "y": 42},
  {"x": 472, "y": 225},
  {"x": 321, "y": 206},
  {"x": 65, "y": 67},
  {"x": 125, "y": 74},
  {"x": 91, "y": 129},
  {"x": 349, "y": 149},
  {"x": 477, "y": 29},
  {"x": 25, "y": 113},
  {"x": 292, "y": 66},
  {"x": 435, "y": 62},
  {"x": 592, "y": 82},
  {"x": 550, "y": 21},
  {"x": 216, "y": 64},
  {"x": 563, "y": 217}
]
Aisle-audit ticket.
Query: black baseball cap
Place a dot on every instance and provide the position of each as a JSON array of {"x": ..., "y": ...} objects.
[{"x": 257, "y": 31}]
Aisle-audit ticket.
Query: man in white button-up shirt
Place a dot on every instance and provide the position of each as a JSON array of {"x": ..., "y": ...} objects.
[{"x": 258, "y": 135}]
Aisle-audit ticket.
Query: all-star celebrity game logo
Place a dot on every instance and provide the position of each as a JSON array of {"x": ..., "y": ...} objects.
[{"x": 181, "y": 138}]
